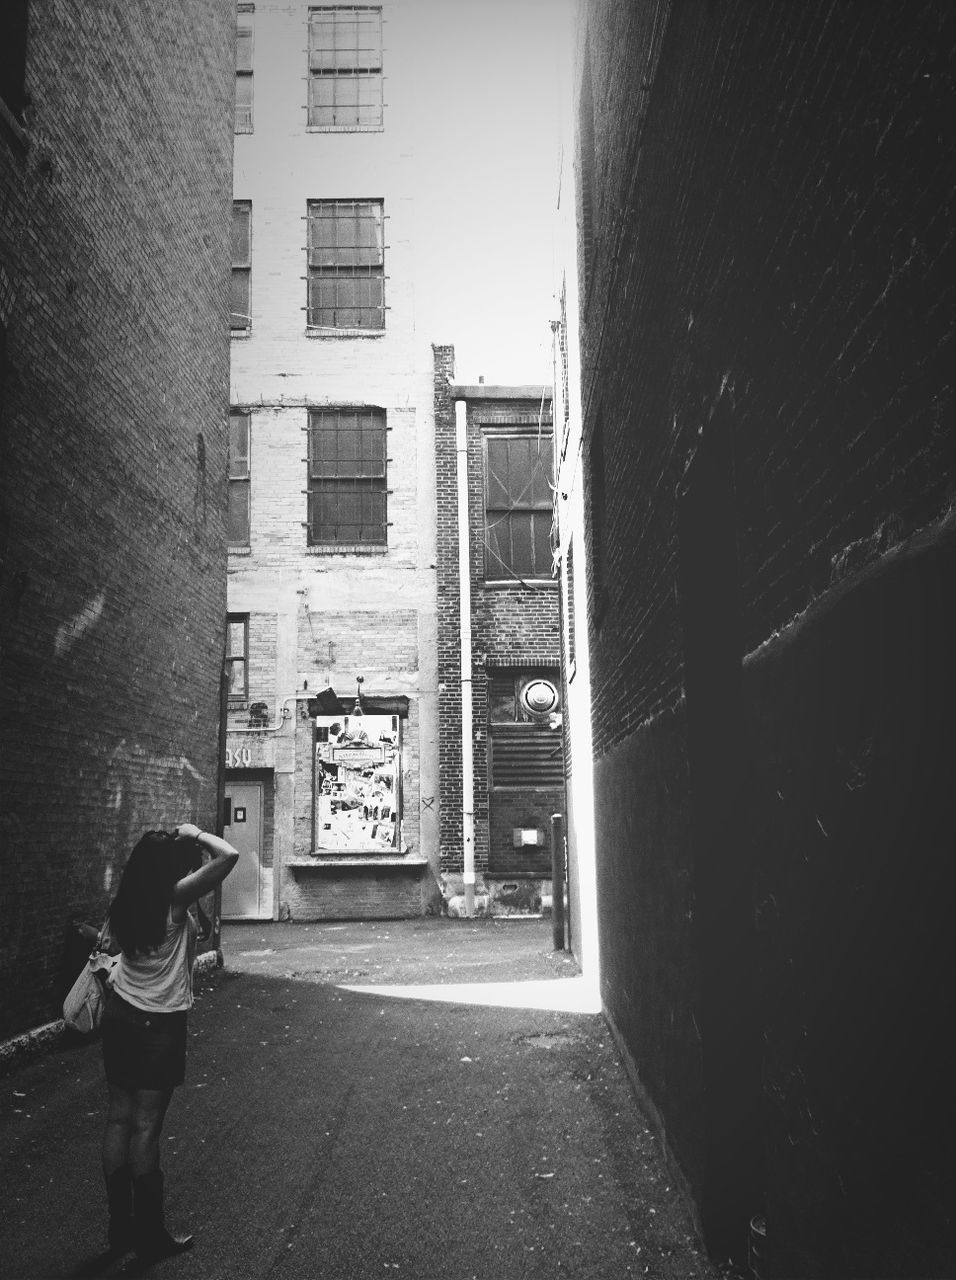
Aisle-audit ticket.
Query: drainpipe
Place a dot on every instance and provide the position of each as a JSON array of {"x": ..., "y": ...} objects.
[{"x": 464, "y": 607}]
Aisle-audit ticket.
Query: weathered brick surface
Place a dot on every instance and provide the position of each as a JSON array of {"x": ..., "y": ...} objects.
[
  {"x": 766, "y": 345},
  {"x": 338, "y": 613},
  {"x": 513, "y": 624},
  {"x": 114, "y": 224},
  {"x": 358, "y": 893}
]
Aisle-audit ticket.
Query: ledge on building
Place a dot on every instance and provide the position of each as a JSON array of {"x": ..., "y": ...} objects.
[
  {"x": 348, "y": 549},
  {"x": 328, "y": 703},
  {"x": 478, "y": 391},
  {"x": 357, "y": 862},
  {"x": 317, "y": 332}
]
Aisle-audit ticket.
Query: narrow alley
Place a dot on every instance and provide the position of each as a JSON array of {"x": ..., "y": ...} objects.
[{"x": 477, "y": 1126}]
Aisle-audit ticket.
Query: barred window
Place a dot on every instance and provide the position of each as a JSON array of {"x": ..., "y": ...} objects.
[
  {"x": 347, "y": 477},
  {"x": 569, "y": 610},
  {"x": 518, "y": 506},
  {"x": 243, "y": 123},
  {"x": 345, "y": 67},
  {"x": 238, "y": 510},
  {"x": 240, "y": 317},
  {"x": 346, "y": 262},
  {"x": 237, "y": 657}
]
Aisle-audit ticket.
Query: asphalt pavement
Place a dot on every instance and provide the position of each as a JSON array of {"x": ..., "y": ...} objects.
[{"x": 418, "y": 1100}]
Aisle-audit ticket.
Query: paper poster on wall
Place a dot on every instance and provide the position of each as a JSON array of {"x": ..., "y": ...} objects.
[{"x": 356, "y": 779}]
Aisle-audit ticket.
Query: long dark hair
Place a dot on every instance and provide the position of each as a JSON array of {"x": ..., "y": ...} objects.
[{"x": 141, "y": 906}]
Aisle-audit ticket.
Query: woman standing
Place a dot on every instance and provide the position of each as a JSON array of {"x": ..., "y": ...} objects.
[{"x": 144, "y": 1025}]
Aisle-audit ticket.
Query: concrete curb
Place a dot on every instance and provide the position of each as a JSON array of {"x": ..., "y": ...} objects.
[{"x": 23, "y": 1048}]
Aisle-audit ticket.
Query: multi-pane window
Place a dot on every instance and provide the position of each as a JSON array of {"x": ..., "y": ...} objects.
[
  {"x": 345, "y": 67},
  {"x": 237, "y": 656},
  {"x": 569, "y": 610},
  {"x": 238, "y": 510},
  {"x": 347, "y": 476},
  {"x": 244, "y": 69},
  {"x": 518, "y": 471},
  {"x": 240, "y": 317},
  {"x": 346, "y": 263},
  {"x": 563, "y": 353}
]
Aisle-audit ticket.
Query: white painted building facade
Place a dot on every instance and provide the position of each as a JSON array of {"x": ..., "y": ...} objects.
[{"x": 332, "y": 539}]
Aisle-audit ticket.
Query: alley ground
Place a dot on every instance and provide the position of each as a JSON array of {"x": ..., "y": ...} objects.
[{"x": 331, "y": 1132}]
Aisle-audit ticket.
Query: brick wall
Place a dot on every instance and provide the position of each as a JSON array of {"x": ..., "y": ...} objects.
[
  {"x": 513, "y": 624},
  {"x": 766, "y": 337},
  {"x": 801, "y": 290},
  {"x": 114, "y": 233}
]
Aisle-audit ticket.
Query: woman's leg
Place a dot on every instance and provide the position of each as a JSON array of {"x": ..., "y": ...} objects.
[
  {"x": 119, "y": 1181},
  {"x": 116, "y": 1136},
  {"x": 151, "y": 1239},
  {"x": 146, "y": 1124}
]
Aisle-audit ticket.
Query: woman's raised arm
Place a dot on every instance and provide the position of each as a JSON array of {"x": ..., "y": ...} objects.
[{"x": 198, "y": 883}]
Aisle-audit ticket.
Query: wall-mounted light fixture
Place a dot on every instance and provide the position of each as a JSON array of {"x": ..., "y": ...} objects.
[{"x": 357, "y": 709}]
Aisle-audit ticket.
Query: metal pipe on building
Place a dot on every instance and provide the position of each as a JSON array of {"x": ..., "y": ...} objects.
[
  {"x": 464, "y": 602},
  {"x": 558, "y": 876},
  {"x": 284, "y": 715}
]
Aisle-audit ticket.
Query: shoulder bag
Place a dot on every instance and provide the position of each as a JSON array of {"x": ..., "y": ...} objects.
[{"x": 83, "y": 1006}]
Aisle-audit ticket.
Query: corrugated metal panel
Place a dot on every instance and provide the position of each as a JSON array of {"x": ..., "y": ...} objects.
[{"x": 526, "y": 756}]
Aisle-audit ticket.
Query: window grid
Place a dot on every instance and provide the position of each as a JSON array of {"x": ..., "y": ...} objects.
[
  {"x": 237, "y": 657},
  {"x": 240, "y": 312},
  {"x": 240, "y": 488},
  {"x": 345, "y": 67},
  {"x": 346, "y": 264},
  {"x": 518, "y": 506},
  {"x": 243, "y": 120},
  {"x": 347, "y": 496}
]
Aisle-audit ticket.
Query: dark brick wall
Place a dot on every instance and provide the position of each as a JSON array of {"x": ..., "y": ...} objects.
[
  {"x": 513, "y": 625},
  {"x": 114, "y": 225},
  {"x": 766, "y": 347},
  {"x": 851, "y": 803}
]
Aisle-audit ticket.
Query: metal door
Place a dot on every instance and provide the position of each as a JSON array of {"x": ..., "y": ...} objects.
[{"x": 242, "y": 891}]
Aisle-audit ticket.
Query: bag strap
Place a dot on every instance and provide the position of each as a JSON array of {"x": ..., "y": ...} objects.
[
  {"x": 101, "y": 936},
  {"x": 205, "y": 924}
]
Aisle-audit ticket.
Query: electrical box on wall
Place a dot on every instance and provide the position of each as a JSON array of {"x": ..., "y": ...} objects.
[{"x": 527, "y": 836}]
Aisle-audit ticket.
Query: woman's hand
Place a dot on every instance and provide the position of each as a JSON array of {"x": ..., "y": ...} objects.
[{"x": 187, "y": 831}]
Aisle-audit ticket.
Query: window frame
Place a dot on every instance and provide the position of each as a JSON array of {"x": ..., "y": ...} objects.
[
  {"x": 570, "y": 597},
  {"x": 236, "y": 620},
  {"x": 337, "y": 269},
  {"x": 496, "y": 569},
  {"x": 365, "y": 474},
  {"x": 241, "y": 269},
  {"x": 244, "y": 73},
  {"x": 357, "y": 73},
  {"x": 239, "y": 482}
]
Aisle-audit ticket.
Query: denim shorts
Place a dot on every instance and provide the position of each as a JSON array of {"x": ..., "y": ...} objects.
[{"x": 143, "y": 1050}]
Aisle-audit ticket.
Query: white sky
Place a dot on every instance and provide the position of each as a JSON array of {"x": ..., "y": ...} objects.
[{"x": 493, "y": 75}]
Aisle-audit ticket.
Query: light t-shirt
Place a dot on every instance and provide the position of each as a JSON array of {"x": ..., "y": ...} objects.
[{"x": 161, "y": 980}]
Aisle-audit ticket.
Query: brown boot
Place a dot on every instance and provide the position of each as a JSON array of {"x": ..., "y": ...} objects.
[
  {"x": 119, "y": 1199},
  {"x": 151, "y": 1239}
]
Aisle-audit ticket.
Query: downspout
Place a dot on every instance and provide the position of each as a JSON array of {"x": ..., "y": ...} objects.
[{"x": 464, "y": 610}]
